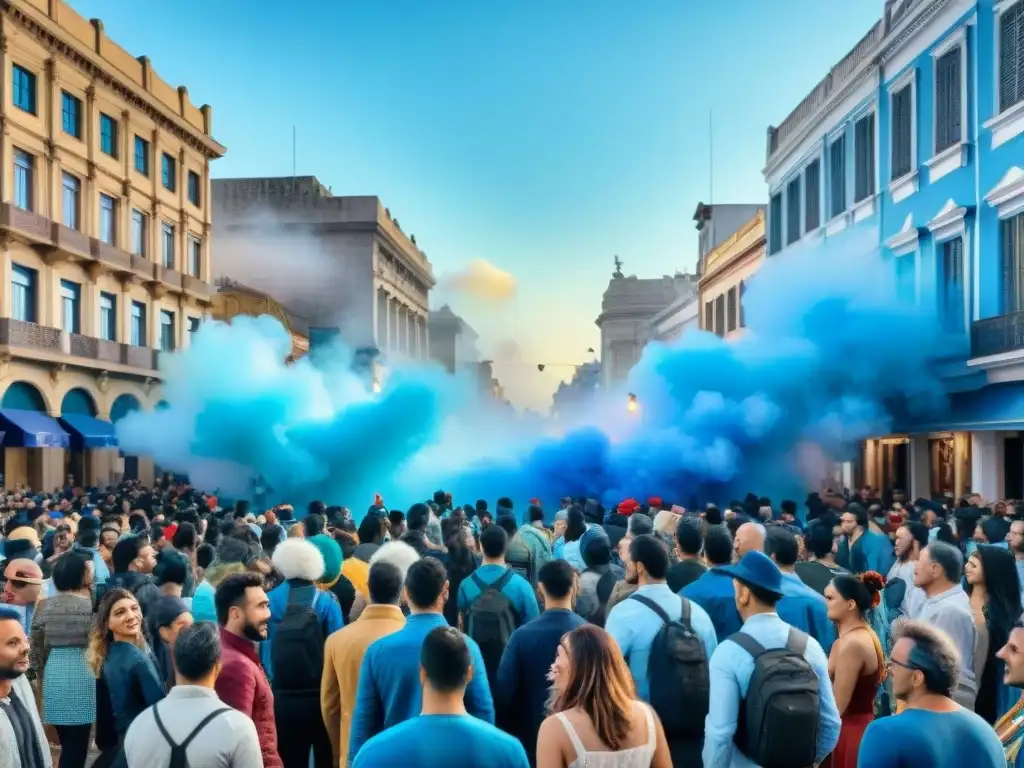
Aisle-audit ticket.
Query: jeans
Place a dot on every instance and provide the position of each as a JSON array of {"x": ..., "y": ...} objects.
[
  {"x": 74, "y": 744},
  {"x": 301, "y": 730}
]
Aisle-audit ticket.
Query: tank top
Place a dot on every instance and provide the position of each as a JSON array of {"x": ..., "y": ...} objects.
[{"x": 633, "y": 757}]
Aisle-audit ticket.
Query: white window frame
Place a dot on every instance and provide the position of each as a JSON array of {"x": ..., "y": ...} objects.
[
  {"x": 903, "y": 187},
  {"x": 1007, "y": 197},
  {"x": 942, "y": 163},
  {"x": 865, "y": 208},
  {"x": 1008, "y": 124}
]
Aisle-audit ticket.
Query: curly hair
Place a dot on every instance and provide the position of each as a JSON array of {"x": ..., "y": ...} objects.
[{"x": 102, "y": 637}]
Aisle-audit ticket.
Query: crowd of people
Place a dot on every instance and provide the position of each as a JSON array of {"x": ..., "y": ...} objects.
[{"x": 154, "y": 628}]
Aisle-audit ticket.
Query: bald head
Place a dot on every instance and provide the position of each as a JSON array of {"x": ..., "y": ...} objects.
[{"x": 749, "y": 538}]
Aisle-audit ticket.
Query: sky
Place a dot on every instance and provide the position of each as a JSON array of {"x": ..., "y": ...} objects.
[{"x": 544, "y": 137}]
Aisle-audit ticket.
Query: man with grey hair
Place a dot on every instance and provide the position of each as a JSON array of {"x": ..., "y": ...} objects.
[
  {"x": 192, "y": 720},
  {"x": 946, "y": 606},
  {"x": 933, "y": 730}
]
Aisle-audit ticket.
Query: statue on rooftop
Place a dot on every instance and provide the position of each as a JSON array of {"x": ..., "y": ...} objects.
[{"x": 618, "y": 268}]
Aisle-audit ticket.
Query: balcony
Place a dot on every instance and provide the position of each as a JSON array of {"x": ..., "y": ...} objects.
[
  {"x": 70, "y": 240},
  {"x": 111, "y": 257},
  {"x": 196, "y": 288},
  {"x": 998, "y": 335},
  {"x": 41, "y": 343},
  {"x": 32, "y": 226},
  {"x": 171, "y": 278}
]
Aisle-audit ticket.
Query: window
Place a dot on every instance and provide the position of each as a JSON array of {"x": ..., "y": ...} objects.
[
  {"x": 108, "y": 135},
  {"x": 730, "y": 309},
  {"x": 1011, "y": 57},
  {"x": 1013, "y": 264},
  {"x": 108, "y": 316},
  {"x": 24, "y": 176},
  {"x": 71, "y": 114},
  {"x": 70, "y": 195},
  {"x": 195, "y": 256},
  {"x": 864, "y": 158},
  {"x": 23, "y": 91},
  {"x": 812, "y": 196},
  {"x": 138, "y": 324},
  {"x": 193, "y": 326},
  {"x": 720, "y": 315},
  {"x": 793, "y": 211},
  {"x": 167, "y": 251},
  {"x": 951, "y": 298},
  {"x": 902, "y": 131},
  {"x": 775, "y": 223},
  {"x": 837, "y": 179},
  {"x": 69, "y": 303},
  {"x": 709, "y": 317},
  {"x": 193, "y": 188},
  {"x": 23, "y": 293},
  {"x": 166, "y": 330},
  {"x": 948, "y": 128},
  {"x": 139, "y": 230},
  {"x": 742, "y": 289},
  {"x": 108, "y": 219},
  {"x": 167, "y": 169},
  {"x": 142, "y": 156}
]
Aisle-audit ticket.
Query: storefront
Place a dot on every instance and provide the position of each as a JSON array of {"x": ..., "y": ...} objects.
[{"x": 33, "y": 442}]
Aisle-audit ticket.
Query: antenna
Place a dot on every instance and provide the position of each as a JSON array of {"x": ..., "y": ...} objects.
[{"x": 711, "y": 158}]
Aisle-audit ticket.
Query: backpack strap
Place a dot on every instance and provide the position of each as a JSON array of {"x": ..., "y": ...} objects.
[
  {"x": 652, "y": 605},
  {"x": 747, "y": 643},
  {"x": 797, "y": 641},
  {"x": 202, "y": 724},
  {"x": 501, "y": 583},
  {"x": 163, "y": 730},
  {"x": 480, "y": 584},
  {"x": 685, "y": 616}
]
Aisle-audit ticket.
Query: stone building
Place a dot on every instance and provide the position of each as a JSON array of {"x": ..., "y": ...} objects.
[
  {"x": 340, "y": 262},
  {"x": 104, "y": 226},
  {"x": 233, "y": 298},
  {"x": 453, "y": 344},
  {"x": 726, "y": 269}
]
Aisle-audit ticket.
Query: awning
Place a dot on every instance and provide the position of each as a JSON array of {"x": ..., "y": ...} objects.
[
  {"x": 31, "y": 429},
  {"x": 89, "y": 432}
]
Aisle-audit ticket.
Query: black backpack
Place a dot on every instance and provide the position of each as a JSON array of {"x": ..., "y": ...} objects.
[
  {"x": 605, "y": 587},
  {"x": 677, "y": 672},
  {"x": 297, "y": 653},
  {"x": 178, "y": 757},
  {"x": 778, "y": 720},
  {"x": 522, "y": 566},
  {"x": 491, "y": 620}
]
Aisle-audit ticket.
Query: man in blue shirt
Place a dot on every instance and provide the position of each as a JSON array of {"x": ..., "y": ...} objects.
[
  {"x": 444, "y": 735},
  {"x": 389, "y": 679},
  {"x": 800, "y": 606},
  {"x": 494, "y": 542},
  {"x": 713, "y": 591},
  {"x": 521, "y": 692},
  {"x": 758, "y": 587},
  {"x": 635, "y": 625}
]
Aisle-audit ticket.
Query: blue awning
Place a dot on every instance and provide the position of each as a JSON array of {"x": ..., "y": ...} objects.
[
  {"x": 31, "y": 429},
  {"x": 89, "y": 432}
]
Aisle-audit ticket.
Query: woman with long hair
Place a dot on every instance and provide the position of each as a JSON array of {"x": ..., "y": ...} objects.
[
  {"x": 460, "y": 562},
  {"x": 118, "y": 654},
  {"x": 596, "y": 719},
  {"x": 575, "y": 527},
  {"x": 856, "y": 664},
  {"x": 994, "y": 590},
  {"x": 60, "y": 636}
]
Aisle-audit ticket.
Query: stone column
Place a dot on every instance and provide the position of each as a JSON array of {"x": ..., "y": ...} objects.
[
  {"x": 392, "y": 324},
  {"x": 920, "y": 468},
  {"x": 410, "y": 344},
  {"x": 987, "y": 464},
  {"x": 402, "y": 337}
]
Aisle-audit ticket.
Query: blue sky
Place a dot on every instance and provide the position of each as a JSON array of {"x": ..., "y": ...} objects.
[{"x": 544, "y": 136}]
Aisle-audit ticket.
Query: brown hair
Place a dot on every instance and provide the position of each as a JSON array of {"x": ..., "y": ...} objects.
[
  {"x": 102, "y": 637},
  {"x": 600, "y": 684}
]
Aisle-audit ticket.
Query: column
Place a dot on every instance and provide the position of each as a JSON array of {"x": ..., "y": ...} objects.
[
  {"x": 871, "y": 463},
  {"x": 402, "y": 329},
  {"x": 380, "y": 319},
  {"x": 124, "y": 313},
  {"x": 392, "y": 324},
  {"x": 986, "y": 464},
  {"x": 410, "y": 333},
  {"x": 920, "y": 468}
]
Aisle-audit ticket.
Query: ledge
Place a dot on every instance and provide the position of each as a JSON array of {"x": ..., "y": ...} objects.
[
  {"x": 905, "y": 241},
  {"x": 1007, "y": 197},
  {"x": 864, "y": 209},
  {"x": 947, "y": 161},
  {"x": 904, "y": 186},
  {"x": 837, "y": 224},
  {"x": 948, "y": 222},
  {"x": 1007, "y": 125}
]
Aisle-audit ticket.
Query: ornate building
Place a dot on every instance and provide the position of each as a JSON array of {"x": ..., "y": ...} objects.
[
  {"x": 725, "y": 271},
  {"x": 104, "y": 226},
  {"x": 233, "y": 299}
]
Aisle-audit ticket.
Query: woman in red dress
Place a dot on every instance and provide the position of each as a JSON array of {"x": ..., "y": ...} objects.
[{"x": 855, "y": 679}]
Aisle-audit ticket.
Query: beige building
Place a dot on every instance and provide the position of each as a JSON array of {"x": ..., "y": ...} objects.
[
  {"x": 348, "y": 263},
  {"x": 104, "y": 232},
  {"x": 725, "y": 270},
  {"x": 233, "y": 299}
]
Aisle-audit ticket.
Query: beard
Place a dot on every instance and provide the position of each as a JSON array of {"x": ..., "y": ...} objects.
[
  {"x": 11, "y": 672},
  {"x": 252, "y": 632}
]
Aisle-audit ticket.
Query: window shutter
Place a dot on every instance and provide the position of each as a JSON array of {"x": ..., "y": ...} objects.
[
  {"x": 793, "y": 211},
  {"x": 812, "y": 195},
  {"x": 837, "y": 186},
  {"x": 1011, "y": 57},
  {"x": 864, "y": 150},
  {"x": 901, "y": 128},
  {"x": 948, "y": 130}
]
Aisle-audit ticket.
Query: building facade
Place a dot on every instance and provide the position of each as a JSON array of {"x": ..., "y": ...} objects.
[
  {"x": 912, "y": 147},
  {"x": 576, "y": 396},
  {"x": 104, "y": 235},
  {"x": 233, "y": 299},
  {"x": 726, "y": 268},
  {"x": 453, "y": 345},
  {"x": 341, "y": 262}
]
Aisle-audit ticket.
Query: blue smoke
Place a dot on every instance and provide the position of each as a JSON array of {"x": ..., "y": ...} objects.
[{"x": 829, "y": 355}]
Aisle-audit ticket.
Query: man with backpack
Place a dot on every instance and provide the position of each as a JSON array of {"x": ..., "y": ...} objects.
[
  {"x": 192, "y": 727},
  {"x": 667, "y": 641},
  {"x": 774, "y": 702},
  {"x": 302, "y": 616},
  {"x": 495, "y": 601}
]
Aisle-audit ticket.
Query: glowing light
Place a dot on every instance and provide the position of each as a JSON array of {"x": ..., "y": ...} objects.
[
  {"x": 376, "y": 387},
  {"x": 631, "y": 405}
]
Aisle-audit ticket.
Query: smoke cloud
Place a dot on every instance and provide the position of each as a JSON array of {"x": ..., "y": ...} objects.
[
  {"x": 830, "y": 357},
  {"x": 481, "y": 280}
]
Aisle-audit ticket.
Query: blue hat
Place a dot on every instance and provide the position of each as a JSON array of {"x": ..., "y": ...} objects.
[{"x": 756, "y": 569}]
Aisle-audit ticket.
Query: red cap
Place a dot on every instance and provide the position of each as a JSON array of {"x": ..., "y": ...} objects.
[
  {"x": 654, "y": 502},
  {"x": 628, "y": 507}
]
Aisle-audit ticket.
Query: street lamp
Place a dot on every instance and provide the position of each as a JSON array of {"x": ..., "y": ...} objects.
[{"x": 631, "y": 404}]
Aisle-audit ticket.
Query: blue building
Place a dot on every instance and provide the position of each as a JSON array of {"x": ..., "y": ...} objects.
[{"x": 912, "y": 146}]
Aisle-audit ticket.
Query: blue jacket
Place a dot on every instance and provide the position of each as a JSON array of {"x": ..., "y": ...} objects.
[
  {"x": 806, "y": 610},
  {"x": 389, "y": 682},
  {"x": 133, "y": 681},
  {"x": 715, "y": 594},
  {"x": 325, "y": 605}
]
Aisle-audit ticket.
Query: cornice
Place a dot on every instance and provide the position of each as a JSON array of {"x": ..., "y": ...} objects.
[
  {"x": 896, "y": 42},
  {"x": 143, "y": 102}
]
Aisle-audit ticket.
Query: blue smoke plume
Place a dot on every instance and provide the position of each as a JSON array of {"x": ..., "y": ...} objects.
[{"x": 829, "y": 355}]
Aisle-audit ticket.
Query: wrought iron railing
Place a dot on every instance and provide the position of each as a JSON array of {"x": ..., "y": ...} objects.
[{"x": 995, "y": 335}]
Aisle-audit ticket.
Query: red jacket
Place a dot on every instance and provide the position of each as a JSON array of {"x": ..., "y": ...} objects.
[{"x": 243, "y": 684}]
